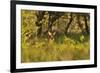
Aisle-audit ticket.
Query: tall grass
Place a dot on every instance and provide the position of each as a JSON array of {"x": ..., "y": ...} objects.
[{"x": 42, "y": 50}]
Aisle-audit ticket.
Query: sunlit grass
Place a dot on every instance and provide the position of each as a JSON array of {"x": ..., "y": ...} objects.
[{"x": 43, "y": 50}]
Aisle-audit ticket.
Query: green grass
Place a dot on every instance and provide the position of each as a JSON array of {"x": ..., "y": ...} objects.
[{"x": 42, "y": 50}]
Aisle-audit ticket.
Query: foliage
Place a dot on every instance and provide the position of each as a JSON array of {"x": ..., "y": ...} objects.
[{"x": 36, "y": 46}]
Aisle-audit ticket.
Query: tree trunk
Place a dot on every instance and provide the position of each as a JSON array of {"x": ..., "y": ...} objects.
[
  {"x": 86, "y": 25},
  {"x": 68, "y": 25}
]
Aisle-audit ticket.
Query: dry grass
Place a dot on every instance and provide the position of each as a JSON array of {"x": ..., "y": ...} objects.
[{"x": 43, "y": 50}]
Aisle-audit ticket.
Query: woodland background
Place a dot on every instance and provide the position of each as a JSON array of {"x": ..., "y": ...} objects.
[{"x": 54, "y": 36}]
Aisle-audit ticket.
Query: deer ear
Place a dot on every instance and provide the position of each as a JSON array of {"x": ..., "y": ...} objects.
[
  {"x": 49, "y": 33},
  {"x": 54, "y": 33}
]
